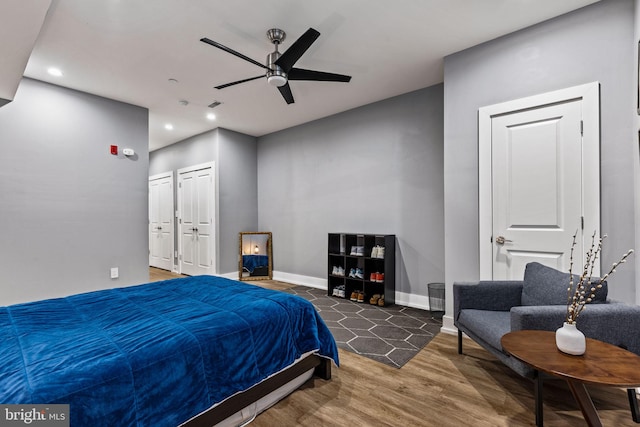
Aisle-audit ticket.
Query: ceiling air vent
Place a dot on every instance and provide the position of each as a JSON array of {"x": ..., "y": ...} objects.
[{"x": 214, "y": 104}]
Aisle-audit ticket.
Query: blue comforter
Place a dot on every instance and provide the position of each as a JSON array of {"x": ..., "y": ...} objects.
[{"x": 155, "y": 354}]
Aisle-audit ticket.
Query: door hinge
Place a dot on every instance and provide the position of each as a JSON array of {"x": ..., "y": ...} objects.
[
  {"x": 491, "y": 239},
  {"x": 581, "y": 128},
  {"x": 179, "y": 185},
  {"x": 582, "y": 222}
]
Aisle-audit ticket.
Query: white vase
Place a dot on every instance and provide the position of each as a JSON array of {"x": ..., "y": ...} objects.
[{"x": 570, "y": 340}]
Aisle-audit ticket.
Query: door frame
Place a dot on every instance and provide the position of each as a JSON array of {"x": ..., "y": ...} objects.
[
  {"x": 169, "y": 175},
  {"x": 590, "y": 95},
  {"x": 213, "y": 208}
]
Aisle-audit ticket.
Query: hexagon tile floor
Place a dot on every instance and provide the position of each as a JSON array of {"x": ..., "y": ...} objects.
[{"x": 391, "y": 335}]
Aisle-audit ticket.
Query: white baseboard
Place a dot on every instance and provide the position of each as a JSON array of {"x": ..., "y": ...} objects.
[
  {"x": 298, "y": 279},
  {"x": 447, "y": 325},
  {"x": 411, "y": 300}
]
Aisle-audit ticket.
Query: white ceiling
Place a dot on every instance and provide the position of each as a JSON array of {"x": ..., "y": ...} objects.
[{"x": 129, "y": 49}]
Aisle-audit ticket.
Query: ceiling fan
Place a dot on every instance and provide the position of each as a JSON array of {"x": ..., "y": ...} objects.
[{"x": 279, "y": 66}]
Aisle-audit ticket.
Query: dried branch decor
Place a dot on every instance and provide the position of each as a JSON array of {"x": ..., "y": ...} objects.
[{"x": 584, "y": 291}]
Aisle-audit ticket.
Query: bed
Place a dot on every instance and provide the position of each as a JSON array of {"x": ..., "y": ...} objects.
[{"x": 190, "y": 351}]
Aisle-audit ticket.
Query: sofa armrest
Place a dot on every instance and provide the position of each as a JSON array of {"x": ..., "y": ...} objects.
[
  {"x": 612, "y": 322},
  {"x": 486, "y": 295}
]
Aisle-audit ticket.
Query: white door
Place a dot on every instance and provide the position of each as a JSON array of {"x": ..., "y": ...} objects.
[
  {"x": 537, "y": 188},
  {"x": 540, "y": 168},
  {"x": 196, "y": 199},
  {"x": 161, "y": 229}
]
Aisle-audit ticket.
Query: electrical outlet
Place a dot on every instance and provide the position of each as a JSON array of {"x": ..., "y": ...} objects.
[{"x": 114, "y": 272}]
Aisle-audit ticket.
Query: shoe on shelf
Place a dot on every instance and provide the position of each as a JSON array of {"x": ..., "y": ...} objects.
[
  {"x": 380, "y": 277},
  {"x": 359, "y": 250},
  {"x": 381, "y": 301},
  {"x": 373, "y": 277},
  {"x": 359, "y": 274},
  {"x": 380, "y": 253},
  {"x": 361, "y": 297},
  {"x": 341, "y": 293},
  {"x": 374, "y": 299},
  {"x": 352, "y": 273},
  {"x": 340, "y": 271},
  {"x": 374, "y": 252},
  {"x": 334, "y": 271},
  {"x": 354, "y": 296}
]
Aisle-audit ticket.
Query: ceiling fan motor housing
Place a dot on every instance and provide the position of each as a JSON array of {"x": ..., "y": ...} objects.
[{"x": 276, "y": 75}]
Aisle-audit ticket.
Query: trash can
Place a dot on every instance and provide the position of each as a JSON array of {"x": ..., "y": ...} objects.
[{"x": 436, "y": 297}]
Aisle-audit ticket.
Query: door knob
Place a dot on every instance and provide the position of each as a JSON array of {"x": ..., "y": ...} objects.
[{"x": 501, "y": 240}]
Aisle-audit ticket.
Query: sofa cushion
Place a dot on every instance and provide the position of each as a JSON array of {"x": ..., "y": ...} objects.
[
  {"x": 544, "y": 285},
  {"x": 487, "y": 325}
]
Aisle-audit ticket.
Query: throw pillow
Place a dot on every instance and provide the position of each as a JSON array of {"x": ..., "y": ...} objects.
[{"x": 544, "y": 285}]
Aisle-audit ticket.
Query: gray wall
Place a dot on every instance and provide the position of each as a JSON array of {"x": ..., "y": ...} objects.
[
  {"x": 69, "y": 210},
  {"x": 192, "y": 151},
  {"x": 234, "y": 155},
  {"x": 238, "y": 193},
  {"x": 374, "y": 169},
  {"x": 592, "y": 44}
]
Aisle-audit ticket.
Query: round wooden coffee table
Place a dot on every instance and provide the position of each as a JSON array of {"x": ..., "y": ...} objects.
[{"x": 602, "y": 364}]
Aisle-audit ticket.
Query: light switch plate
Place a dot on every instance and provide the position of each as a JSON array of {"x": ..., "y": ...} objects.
[{"x": 114, "y": 272}]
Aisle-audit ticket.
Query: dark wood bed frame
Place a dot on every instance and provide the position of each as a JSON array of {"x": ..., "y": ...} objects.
[{"x": 211, "y": 417}]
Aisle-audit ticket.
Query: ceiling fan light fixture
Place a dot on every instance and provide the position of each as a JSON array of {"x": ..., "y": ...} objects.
[{"x": 277, "y": 80}]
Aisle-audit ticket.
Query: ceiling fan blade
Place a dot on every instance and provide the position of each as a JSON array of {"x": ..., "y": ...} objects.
[
  {"x": 286, "y": 93},
  {"x": 321, "y": 76},
  {"x": 233, "y": 52},
  {"x": 297, "y": 49},
  {"x": 238, "y": 82}
]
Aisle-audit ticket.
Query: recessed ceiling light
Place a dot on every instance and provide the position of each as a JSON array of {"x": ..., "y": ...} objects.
[
  {"x": 211, "y": 116},
  {"x": 54, "y": 71},
  {"x": 168, "y": 126}
]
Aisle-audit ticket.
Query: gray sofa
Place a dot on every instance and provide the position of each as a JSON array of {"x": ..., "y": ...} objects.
[{"x": 487, "y": 310}]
